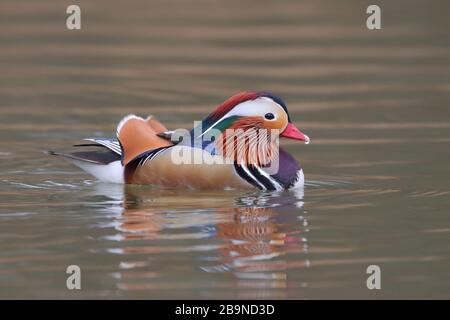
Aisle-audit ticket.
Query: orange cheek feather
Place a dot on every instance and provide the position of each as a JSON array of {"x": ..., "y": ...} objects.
[
  {"x": 241, "y": 149},
  {"x": 279, "y": 124}
]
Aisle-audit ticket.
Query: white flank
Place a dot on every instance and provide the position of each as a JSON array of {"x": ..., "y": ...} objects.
[{"x": 112, "y": 172}]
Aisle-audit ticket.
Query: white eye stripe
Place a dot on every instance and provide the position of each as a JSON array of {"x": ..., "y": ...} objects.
[
  {"x": 275, "y": 103},
  {"x": 259, "y": 106}
]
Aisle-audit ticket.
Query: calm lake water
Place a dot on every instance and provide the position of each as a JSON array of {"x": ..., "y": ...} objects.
[{"x": 375, "y": 103}]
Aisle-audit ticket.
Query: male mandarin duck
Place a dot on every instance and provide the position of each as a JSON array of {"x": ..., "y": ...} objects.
[{"x": 234, "y": 147}]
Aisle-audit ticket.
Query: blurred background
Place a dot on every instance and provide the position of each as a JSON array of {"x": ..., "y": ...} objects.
[{"x": 375, "y": 103}]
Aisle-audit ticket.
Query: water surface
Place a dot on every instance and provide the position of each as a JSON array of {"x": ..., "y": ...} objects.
[{"x": 375, "y": 103}]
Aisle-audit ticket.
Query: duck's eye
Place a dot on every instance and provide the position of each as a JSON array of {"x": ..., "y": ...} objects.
[{"x": 269, "y": 116}]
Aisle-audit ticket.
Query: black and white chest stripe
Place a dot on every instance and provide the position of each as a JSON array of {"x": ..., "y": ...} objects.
[{"x": 257, "y": 177}]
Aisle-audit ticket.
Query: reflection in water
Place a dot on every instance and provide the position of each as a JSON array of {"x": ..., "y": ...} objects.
[
  {"x": 256, "y": 242},
  {"x": 248, "y": 235}
]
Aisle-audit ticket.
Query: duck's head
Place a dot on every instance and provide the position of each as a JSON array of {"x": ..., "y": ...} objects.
[{"x": 254, "y": 110}]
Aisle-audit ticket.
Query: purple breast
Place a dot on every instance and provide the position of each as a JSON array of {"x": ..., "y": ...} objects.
[{"x": 288, "y": 169}]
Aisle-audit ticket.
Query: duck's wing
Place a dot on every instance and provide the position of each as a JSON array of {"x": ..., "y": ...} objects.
[
  {"x": 100, "y": 151},
  {"x": 138, "y": 136},
  {"x": 96, "y": 155},
  {"x": 110, "y": 143},
  {"x": 105, "y": 158},
  {"x": 113, "y": 144}
]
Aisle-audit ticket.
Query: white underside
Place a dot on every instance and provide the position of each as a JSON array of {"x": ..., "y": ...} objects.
[{"x": 111, "y": 173}]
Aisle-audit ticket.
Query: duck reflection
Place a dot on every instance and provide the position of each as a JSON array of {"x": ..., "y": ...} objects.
[
  {"x": 258, "y": 235},
  {"x": 248, "y": 235}
]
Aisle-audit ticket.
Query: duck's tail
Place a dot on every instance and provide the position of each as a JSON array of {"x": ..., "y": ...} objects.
[
  {"x": 100, "y": 162},
  {"x": 97, "y": 160}
]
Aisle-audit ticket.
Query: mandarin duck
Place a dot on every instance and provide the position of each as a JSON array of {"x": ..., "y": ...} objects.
[{"x": 234, "y": 147}]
